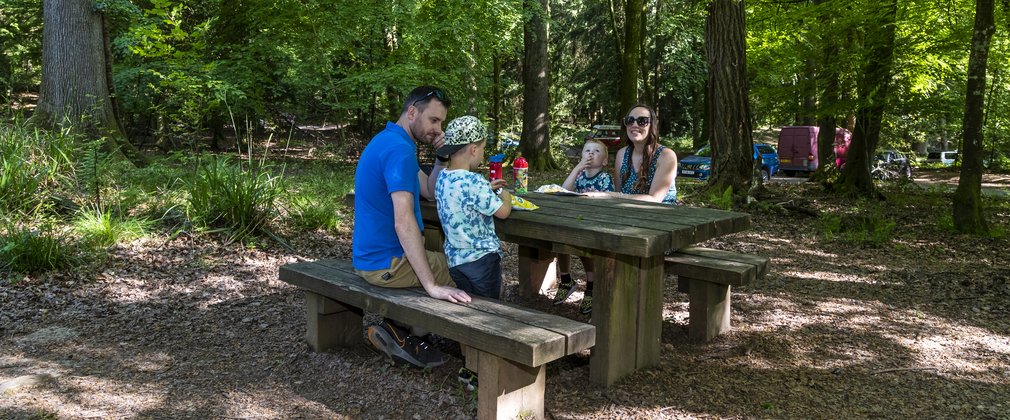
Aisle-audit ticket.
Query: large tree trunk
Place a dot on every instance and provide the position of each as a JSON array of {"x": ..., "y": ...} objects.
[
  {"x": 75, "y": 85},
  {"x": 535, "y": 143},
  {"x": 633, "y": 16},
  {"x": 730, "y": 129},
  {"x": 968, "y": 216},
  {"x": 879, "y": 57}
]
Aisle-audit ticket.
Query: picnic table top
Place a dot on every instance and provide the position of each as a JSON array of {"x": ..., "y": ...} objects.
[{"x": 621, "y": 226}]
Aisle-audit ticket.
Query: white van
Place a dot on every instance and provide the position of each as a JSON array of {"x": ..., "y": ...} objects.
[{"x": 946, "y": 158}]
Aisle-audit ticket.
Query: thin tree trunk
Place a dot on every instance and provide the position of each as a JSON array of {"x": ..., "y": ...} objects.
[
  {"x": 496, "y": 100},
  {"x": 730, "y": 129},
  {"x": 968, "y": 216},
  {"x": 535, "y": 142},
  {"x": 633, "y": 11},
  {"x": 873, "y": 96}
]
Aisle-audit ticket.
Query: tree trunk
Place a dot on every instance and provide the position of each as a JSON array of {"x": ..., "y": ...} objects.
[
  {"x": 968, "y": 216},
  {"x": 535, "y": 143},
  {"x": 75, "y": 88},
  {"x": 633, "y": 16},
  {"x": 873, "y": 90},
  {"x": 730, "y": 129},
  {"x": 496, "y": 100}
]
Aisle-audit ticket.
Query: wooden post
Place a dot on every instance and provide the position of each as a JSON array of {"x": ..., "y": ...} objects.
[
  {"x": 433, "y": 238},
  {"x": 330, "y": 323},
  {"x": 537, "y": 270},
  {"x": 709, "y": 310},
  {"x": 628, "y": 315},
  {"x": 506, "y": 389}
]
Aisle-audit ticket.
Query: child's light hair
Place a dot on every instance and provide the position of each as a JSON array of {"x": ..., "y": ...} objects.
[{"x": 597, "y": 141}]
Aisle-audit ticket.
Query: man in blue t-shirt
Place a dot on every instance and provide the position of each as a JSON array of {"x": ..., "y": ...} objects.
[{"x": 388, "y": 248}]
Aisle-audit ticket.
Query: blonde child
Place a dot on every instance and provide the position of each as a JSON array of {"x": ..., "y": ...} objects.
[{"x": 587, "y": 176}]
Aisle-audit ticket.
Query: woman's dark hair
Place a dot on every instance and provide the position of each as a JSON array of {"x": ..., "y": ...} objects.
[{"x": 641, "y": 185}]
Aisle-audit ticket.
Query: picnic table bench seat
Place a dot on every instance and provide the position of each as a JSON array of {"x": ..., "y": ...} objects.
[
  {"x": 707, "y": 275},
  {"x": 507, "y": 345}
]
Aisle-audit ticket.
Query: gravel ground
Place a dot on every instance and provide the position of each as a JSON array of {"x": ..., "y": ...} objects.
[{"x": 188, "y": 328}]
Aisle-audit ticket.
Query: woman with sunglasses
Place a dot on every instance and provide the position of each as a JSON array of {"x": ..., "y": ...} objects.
[{"x": 645, "y": 169}]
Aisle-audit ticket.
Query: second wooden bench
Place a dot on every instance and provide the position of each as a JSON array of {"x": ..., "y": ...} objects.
[{"x": 707, "y": 275}]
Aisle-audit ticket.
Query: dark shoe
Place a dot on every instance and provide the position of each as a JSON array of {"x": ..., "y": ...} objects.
[
  {"x": 400, "y": 347},
  {"x": 565, "y": 289},
  {"x": 586, "y": 307},
  {"x": 468, "y": 378}
]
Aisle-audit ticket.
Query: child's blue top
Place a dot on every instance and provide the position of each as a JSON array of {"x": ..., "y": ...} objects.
[{"x": 466, "y": 207}]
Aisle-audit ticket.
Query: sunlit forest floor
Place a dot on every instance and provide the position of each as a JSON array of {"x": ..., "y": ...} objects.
[{"x": 871, "y": 309}]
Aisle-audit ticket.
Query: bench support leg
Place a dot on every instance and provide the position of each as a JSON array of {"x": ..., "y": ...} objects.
[
  {"x": 537, "y": 270},
  {"x": 506, "y": 389},
  {"x": 330, "y": 323},
  {"x": 709, "y": 309}
]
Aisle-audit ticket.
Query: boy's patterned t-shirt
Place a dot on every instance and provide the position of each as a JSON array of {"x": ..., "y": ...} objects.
[
  {"x": 602, "y": 181},
  {"x": 466, "y": 206}
]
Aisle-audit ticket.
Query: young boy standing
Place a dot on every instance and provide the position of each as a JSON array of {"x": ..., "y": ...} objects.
[
  {"x": 466, "y": 202},
  {"x": 587, "y": 176}
]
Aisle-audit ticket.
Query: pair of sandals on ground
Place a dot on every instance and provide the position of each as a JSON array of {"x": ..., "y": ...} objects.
[{"x": 403, "y": 348}]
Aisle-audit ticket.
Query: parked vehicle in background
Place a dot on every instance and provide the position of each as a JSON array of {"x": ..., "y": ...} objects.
[
  {"x": 699, "y": 165},
  {"x": 610, "y": 135},
  {"x": 944, "y": 158},
  {"x": 891, "y": 164},
  {"x": 798, "y": 148}
]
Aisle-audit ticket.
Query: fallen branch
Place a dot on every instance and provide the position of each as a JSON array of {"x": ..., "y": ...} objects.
[{"x": 902, "y": 369}]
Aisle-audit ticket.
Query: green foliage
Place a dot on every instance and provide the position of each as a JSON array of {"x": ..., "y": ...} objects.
[
  {"x": 234, "y": 199},
  {"x": 315, "y": 213},
  {"x": 33, "y": 164},
  {"x": 20, "y": 47},
  {"x": 723, "y": 201},
  {"x": 24, "y": 250},
  {"x": 100, "y": 228},
  {"x": 866, "y": 229}
]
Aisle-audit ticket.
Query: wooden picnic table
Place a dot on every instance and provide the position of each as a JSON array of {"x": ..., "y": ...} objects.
[{"x": 628, "y": 240}]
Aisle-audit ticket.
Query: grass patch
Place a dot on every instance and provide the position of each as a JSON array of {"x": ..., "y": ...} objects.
[
  {"x": 233, "y": 199},
  {"x": 27, "y": 250},
  {"x": 100, "y": 228}
]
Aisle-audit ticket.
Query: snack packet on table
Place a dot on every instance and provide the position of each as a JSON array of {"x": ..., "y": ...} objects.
[{"x": 518, "y": 203}]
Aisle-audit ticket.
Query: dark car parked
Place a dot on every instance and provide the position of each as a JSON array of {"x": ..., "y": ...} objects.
[{"x": 699, "y": 165}]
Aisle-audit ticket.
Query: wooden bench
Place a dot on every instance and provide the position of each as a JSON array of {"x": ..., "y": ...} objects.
[
  {"x": 707, "y": 275},
  {"x": 507, "y": 345}
]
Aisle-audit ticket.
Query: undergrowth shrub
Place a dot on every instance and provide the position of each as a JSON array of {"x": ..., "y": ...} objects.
[
  {"x": 234, "y": 199},
  {"x": 867, "y": 229},
  {"x": 101, "y": 228},
  {"x": 33, "y": 163},
  {"x": 24, "y": 250},
  {"x": 314, "y": 213}
]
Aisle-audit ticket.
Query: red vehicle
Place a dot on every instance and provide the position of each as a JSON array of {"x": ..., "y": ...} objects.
[
  {"x": 798, "y": 148},
  {"x": 610, "y": 135}
]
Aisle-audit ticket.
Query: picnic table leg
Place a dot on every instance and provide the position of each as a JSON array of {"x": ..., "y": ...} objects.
[
  {"x": 507, "y": 390},
  {"x": 433, "y": 238},
  {"x": 628, "y": 315},
  {"x": 330, "y": 323},
  {"x": 537, "y": 270}
]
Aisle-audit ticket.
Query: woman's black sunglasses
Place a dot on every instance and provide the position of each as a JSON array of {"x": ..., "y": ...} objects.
[
  {"x": 437, "y": 93},
  {"x": 642, "y": 121}
]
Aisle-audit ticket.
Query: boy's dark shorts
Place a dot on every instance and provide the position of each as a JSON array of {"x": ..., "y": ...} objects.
[{"x": 481, "y": 277}]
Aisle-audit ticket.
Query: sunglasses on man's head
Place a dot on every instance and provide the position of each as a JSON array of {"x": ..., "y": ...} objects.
[
  {"x": 642, "y": 121},
  {"x": 437, "y": 93}
]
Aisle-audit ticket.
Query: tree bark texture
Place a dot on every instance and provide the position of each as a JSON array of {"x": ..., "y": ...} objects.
[
  {"x": 634, "y": 11},
  {"x": 729, "y": 109},
  {"x": 535, "y": 143},
  {"x": 879, "y": 58},
  {"x": 968, "y": 216},
  {"x": 74, "y": 88}
]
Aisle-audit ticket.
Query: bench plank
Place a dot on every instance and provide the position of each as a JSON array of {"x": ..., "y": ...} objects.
[{"x": 515, "y": 333}]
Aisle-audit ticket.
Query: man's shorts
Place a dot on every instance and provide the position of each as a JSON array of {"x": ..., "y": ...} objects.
[{"x": 401, "y": 274}]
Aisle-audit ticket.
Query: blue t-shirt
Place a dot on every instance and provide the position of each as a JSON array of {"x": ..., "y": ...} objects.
[
  {"x": 466, "y": 207},
  {"x": 388, "y": 164},
  {"x": 602, "y": 182}
]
